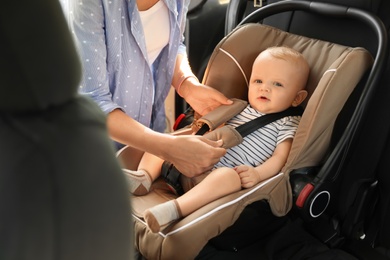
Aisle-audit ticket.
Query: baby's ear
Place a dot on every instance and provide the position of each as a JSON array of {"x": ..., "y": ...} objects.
[{"x": 301, "y": 95}]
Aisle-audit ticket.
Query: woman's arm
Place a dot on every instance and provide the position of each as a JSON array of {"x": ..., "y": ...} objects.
[{"x": 192, "y": 155}]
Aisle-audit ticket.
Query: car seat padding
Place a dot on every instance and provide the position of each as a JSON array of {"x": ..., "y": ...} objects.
[{"x": 335, "y": 71}]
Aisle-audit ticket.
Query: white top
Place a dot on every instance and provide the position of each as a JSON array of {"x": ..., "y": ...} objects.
[{"x": 155, "y": 22}]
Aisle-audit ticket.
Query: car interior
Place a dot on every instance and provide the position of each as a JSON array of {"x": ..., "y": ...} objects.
[{"x": 330, "y": 201}]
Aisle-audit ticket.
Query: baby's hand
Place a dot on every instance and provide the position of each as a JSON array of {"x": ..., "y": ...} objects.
[{"x": 248, "y": 175}]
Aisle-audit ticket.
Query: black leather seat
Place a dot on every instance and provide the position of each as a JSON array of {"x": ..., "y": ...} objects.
[{"x": 62, "y": 192}]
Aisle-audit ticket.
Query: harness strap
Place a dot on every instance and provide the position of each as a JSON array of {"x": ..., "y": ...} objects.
[{"x": 259, "y": 122}]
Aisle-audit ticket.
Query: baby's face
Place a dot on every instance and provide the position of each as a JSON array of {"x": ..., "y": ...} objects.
[{"x": 274, "y": 84}]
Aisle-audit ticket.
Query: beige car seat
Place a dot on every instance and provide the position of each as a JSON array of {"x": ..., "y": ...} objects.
[{"x": 335, "y": 71}]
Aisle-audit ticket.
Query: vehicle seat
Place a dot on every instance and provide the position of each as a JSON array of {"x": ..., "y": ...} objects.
[
  {"x": 331, "y": 81},
  {"x": 62, "y": 192}
]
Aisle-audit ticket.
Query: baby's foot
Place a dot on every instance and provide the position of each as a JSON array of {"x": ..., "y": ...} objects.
[
  {"x": 139, "y": 181},
  {"x": 160, "y": 216}
]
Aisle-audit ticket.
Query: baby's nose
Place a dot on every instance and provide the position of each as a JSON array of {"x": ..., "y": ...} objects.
[{"x": 264, "y": 87}]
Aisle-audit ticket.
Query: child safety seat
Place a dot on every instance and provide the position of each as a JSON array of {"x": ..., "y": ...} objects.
[
  {"x": 335, "y": 72},
  {"x": 62, "y": 192},
  {"x": 355, "y": 218}
]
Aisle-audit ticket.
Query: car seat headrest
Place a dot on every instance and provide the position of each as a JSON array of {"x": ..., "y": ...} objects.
[
  {"x": 238, "y": 50},
  {"x": 25, "y": 83}
]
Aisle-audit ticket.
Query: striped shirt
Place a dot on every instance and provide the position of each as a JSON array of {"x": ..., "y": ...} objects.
[{"x": 259, "y": 145}]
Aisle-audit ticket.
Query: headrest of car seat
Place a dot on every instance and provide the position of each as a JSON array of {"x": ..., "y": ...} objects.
[
  {"x": 335, "y": 70},
  {"x": 238, "y": 50},
  {"x": 25, "y": 84}
]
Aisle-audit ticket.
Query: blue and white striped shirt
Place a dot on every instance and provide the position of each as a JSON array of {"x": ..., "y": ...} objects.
[
  {"x": 116, "y": 73},
  {"x": 259, "y": 145}
]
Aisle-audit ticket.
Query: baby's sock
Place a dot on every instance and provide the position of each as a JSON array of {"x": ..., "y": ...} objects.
[
  {"x": 139, "y": 181},
  {"x": 160, "y": 216}
]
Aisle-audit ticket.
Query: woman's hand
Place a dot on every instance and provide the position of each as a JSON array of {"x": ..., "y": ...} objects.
[
  {"x": 193, "y": 155},
  {"x": 202, "y": 98}
]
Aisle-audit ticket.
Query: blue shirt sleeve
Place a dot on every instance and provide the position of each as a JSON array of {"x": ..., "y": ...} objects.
[{"x": 88, "y": 25}]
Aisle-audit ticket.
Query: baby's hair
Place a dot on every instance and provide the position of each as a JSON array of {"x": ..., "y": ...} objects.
[
  {"x": 283, "y": 52},
  {"x": 289, "y": 54}
]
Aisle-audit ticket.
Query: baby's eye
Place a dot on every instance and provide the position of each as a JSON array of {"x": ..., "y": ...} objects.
[
  {"x": 258, "y": 81},
  {"x": 277, "y": 84}
]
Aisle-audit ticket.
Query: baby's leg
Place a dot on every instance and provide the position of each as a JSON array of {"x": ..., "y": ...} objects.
[
  {"x": 217, "y": 184},
  {"x": 141, "y": 180},
  {"x": 152, "y": 164}
]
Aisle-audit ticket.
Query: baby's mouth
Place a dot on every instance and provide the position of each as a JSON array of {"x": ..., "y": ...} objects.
[{"x": 263, "y": 98}]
